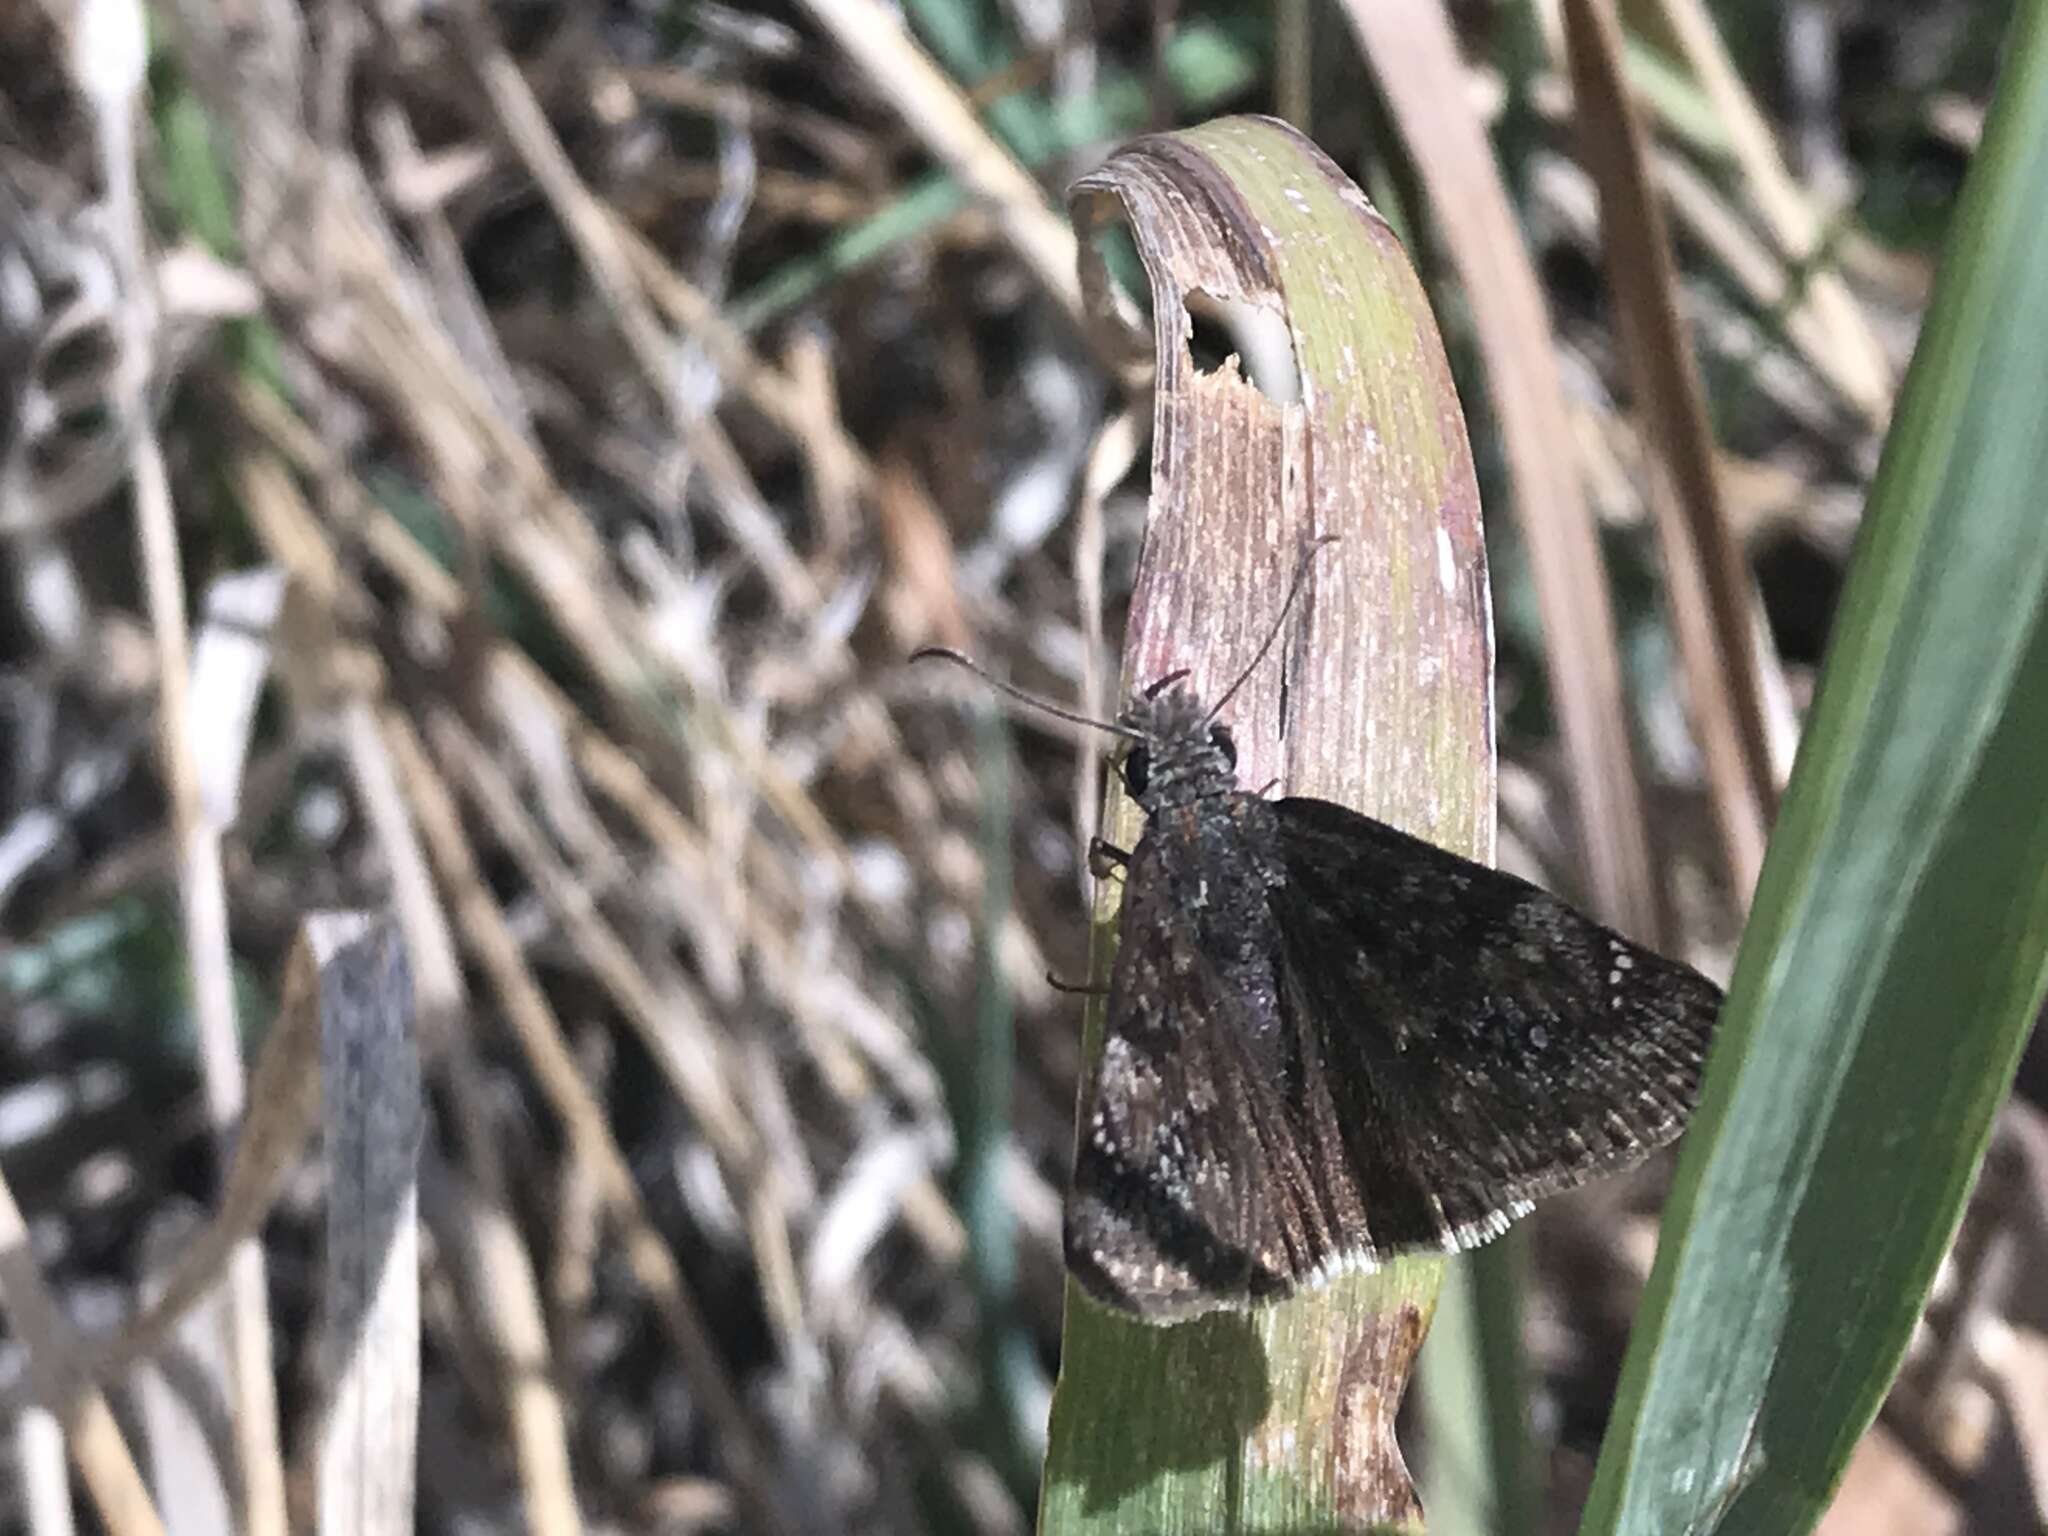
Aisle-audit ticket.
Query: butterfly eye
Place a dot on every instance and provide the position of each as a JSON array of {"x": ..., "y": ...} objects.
[
  {"x": 1221, "y": 740},
  {"x": 1137, "y": 769}
]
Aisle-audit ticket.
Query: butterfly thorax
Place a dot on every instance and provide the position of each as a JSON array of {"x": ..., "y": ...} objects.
[
  {"x": 1210, "y": 855},
  {"x": 1220, "y": 865},
  {"x": 1182, "y": 758},
  {"x": 1208, "y": 847}
]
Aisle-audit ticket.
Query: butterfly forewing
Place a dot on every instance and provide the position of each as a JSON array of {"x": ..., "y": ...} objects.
[
  {"x": 1485, "y": 1044},
  {"x": 1197, "y": 1182}
]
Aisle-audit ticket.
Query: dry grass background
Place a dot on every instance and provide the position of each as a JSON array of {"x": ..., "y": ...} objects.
[{"x": 493, "y": 462}]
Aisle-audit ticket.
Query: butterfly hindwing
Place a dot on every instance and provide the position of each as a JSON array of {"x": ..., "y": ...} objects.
[{"x": 1485, "y": 1044}]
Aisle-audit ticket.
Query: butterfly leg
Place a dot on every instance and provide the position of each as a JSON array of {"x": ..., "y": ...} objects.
[
  {"x": 1104, "y": 857},
  {"x": 1067, "y": 986}
]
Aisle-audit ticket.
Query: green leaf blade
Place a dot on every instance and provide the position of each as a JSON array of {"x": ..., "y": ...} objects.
[{"x": 1898, "y": 949}]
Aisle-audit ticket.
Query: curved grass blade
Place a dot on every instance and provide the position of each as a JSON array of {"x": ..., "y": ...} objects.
[
  {"x": 1898, "y": 947},
  {"x": 1282, "y": 1419}
]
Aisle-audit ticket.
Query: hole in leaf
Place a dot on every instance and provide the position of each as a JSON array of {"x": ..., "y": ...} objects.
[{"x": 1221, "y": 328}]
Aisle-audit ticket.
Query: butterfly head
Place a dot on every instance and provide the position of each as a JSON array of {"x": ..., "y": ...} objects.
[{"x": 1181, "y": 755}]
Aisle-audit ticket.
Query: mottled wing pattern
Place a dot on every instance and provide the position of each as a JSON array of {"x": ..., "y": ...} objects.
[
  {"x": 1191, "y": 1189},
  {"x": 1483, "y": 1044}
]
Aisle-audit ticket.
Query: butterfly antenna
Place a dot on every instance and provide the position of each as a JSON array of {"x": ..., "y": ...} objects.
[
  {"x": 1293, "y": 591},
  {"x": 1010, "y": 690}
]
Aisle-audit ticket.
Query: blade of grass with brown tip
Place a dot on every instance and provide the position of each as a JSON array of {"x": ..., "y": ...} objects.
[
  {"x": 1414, "y": 58},
  {"x": 1282, "y": 1419},
  {"x": 1205, "y": 64},
  {"x": 1708, "y": 582},
  {"x": 874, "y": 38}
]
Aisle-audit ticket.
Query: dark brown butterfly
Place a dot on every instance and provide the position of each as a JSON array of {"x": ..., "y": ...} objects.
[{"x": 1329, "y": 1043}]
